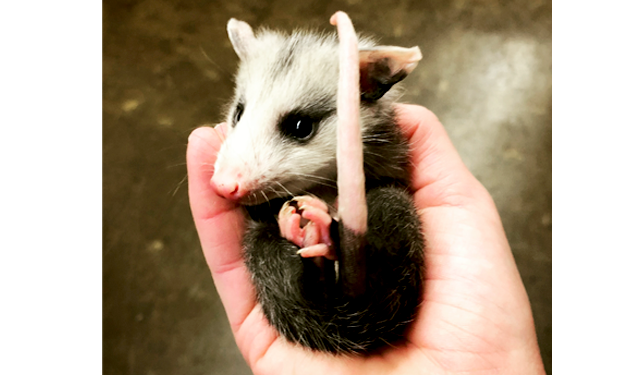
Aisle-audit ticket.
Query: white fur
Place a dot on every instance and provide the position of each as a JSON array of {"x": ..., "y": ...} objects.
[{"x": 255, "y": 152}]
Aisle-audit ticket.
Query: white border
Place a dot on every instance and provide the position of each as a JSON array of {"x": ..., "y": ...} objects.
[
  {"x": 51, "y": 190},
  {"x": 588, "y": 187}
]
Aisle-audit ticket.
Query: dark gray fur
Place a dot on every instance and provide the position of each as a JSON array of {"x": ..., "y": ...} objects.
[{"x": 307, "y": 307}]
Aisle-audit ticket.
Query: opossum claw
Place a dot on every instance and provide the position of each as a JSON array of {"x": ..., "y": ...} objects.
[
  {"x": 318, "y": 250},
  {"x": 289, "y": 222}
]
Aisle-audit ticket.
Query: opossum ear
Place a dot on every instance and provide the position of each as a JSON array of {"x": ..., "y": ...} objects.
[
  {"x": 383, "y": 66},
  {"x": 241, "y": 36}
]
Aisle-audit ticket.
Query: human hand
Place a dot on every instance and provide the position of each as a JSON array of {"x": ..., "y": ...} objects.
[{"x": 475, "y": 317}]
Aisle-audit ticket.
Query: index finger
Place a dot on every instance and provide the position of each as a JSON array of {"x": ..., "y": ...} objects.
[
  {"x": 439, "y": 175},
  {"x": 220, "y": 225}
]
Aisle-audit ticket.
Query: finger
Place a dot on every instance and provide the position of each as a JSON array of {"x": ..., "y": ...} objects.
[
  {"x": 202, "y": 149},
  {"x": 220, "y": 225},
  {"x": 222, "y": 131},
  {"x": 442, "y": 180},
  {"x": 440, "y": 176}
]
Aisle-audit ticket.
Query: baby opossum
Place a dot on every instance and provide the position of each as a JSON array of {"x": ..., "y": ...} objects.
[{"x": 321, "y": 284}]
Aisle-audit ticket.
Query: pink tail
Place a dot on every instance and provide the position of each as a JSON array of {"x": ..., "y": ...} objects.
[{"x": 352, "y": 205}]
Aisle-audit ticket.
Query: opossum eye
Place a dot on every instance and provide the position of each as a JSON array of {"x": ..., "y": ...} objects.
[
  {"x": 298, "y": 127},
  {"x": 237, "y": 114}
]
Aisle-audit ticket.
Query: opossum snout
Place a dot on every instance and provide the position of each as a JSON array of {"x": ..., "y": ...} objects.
[{"x": 229, "y": 186}]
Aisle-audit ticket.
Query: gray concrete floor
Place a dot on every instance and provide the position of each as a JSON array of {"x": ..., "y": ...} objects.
[{"x": 167, "y": 68}]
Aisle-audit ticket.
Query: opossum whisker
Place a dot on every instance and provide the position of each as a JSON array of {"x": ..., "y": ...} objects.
[
  {"x": 264, "y": 195},
  {"x": 273, "y": 190},
  {"x": 383, "y": 166},
  {"x": 317, "y": 179},
  {"x": 285, "y": 189},
  {"x": 211, "y": 60},
  {"x": 176, "y": 165},
  {"x": 373, "y": 153},
  {"x": 306, "y": 192},
  {"x": 313, "y": 176},
  {"x": 280, "y": 193},
  {"x": 388, "y": 343},
  {"x": 179, "y": 184},
  {"x": 373, "y": 138},
  {"x": 325, "y": 184}
]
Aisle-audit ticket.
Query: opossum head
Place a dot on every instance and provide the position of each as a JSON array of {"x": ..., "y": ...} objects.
[{"x": 281, "y": 126}]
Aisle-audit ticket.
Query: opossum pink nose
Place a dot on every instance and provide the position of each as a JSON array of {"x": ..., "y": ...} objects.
[{"x": 228, "y": 188}]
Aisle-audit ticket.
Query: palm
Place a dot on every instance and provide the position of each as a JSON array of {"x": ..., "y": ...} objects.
[{"x": 475, "y": 314}]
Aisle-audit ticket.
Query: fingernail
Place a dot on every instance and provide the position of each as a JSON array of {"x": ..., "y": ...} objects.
[
  {"x": 222, "y": 131},
  {"x": 200, "y": 133}
]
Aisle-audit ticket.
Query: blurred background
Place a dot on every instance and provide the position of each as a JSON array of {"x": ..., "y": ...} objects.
[{"x": 167, "y": 68}]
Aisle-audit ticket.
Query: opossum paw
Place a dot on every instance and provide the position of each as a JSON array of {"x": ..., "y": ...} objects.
[{"x": 305, "y": 221}]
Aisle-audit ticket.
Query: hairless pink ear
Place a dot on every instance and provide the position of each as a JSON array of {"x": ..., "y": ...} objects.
[
  {"x": 241, "y": 36},
  {"x": 383, "y": 66}
]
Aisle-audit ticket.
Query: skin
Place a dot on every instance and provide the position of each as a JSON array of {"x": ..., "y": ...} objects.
[{"x": 475, "y": 317}]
